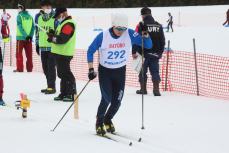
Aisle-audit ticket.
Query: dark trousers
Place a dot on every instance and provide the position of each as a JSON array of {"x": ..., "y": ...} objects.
[
  {"x": 49, "y": 68},
  {"x": 112, "y": 85},
  {"x": 153, "y": 65},
  {"x": 1, "y": 86},
  {"x": 27, "y": 46},
  {"x": 67, "y": 82},
  {"x": 1, "y": 77},
  {"x": 170, "y": 25}
]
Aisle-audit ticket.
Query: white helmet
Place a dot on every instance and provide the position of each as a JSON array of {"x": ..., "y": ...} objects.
[{"x": 119, "y": 20}]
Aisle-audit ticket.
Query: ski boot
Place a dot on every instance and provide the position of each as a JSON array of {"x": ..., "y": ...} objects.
[
  {"x": 50, "y": 91},
  {"x": 100, "y": 130},
  {"x": 68, "y": 98},
  {"x": 109, "y": 126},
  {"x": 156, "y": 90},
  {"x": 143, "y": 89},
  {"x": 59, "y": 98}
]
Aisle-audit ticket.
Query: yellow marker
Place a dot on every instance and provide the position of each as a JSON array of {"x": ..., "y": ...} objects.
[{"x": 25, "y": 103}]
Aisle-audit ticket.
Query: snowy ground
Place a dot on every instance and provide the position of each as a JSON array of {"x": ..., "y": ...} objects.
[{"x": 175, "y": 123}]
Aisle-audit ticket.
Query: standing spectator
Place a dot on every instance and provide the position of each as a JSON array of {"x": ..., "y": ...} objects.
[
  {"x": 170, "y": 22},
  {"x": 2, "y": 103},
  {"x": 44, "y": 19},
  {"x": 25, "y": 32},
  {"x": 5, "y": 27},
  {"x": 63, "y": 41},
  {"x": 152, "y": 55},
  {"x": 227, "y": 18}
]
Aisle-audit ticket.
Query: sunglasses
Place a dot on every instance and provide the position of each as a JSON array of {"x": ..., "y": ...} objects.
[{"x": 121, "y": 29}]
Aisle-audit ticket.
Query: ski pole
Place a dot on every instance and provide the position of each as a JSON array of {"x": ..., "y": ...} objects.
[
  {"x": 70, "y": 106},
  {"x": 143, "y": 81},
  {"x": 41, "y": 28}
]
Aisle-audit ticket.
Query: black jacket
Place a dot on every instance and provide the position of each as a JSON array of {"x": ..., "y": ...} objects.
[{"x": 156, "y": 33}]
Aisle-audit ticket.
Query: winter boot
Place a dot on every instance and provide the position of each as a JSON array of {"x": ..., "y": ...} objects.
[
  {"x": 68, "y": 98},
  {"x": 59, "y": 98},
  {"x": 43, "y": 90},
  {"x": 2, "y": 103},
  {"x": 143, "y": 89},
  {"x": 109, "y": 126},
  {"x": 17, "y": 71},
  {"x": 50, "y": 91},
  {"x": 100, "y": 129},
  {"x": 156, "y": 90}
]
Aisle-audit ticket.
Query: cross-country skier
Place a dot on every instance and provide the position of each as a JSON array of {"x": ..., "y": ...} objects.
[
  {"x": 227, "y": 18},
  {"x": 114, "y": 46},
  {"x": 5, "y": 17},
  {"x": 152, "y": 55},
  {"x": 63, "y": 41},
  {"x": 25, "y": 32},
  {"x": 170, "y": 22},
  {"x": 45, "y": 21},
  {"x": 2, "y": 103}
]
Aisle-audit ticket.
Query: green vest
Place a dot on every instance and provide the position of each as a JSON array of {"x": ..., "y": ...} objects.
[
  {"x": 67, "y": 49},
  {"x": 47, "y": 25},
  {"x": 27, "y": 24}
]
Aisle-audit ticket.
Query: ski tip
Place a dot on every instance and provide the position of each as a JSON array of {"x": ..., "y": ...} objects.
[{"x": 140, "y": 140}]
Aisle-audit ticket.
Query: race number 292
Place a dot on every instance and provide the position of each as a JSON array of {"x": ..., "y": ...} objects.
[{"x": 116, "y": 54}]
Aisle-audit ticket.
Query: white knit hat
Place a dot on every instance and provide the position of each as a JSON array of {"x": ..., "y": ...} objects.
[{"x": 119, "y": 20}]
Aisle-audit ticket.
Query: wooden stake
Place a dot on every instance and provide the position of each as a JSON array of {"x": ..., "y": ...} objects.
[{"x": 76, "y": 108}]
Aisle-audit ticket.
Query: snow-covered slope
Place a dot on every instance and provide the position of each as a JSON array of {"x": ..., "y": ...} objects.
[{"x": 175, "y": 123}]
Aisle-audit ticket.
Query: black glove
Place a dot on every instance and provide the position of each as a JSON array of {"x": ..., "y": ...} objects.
[
  {"x": 142, "y": 26},
  {"x": 51, "y": 33},
  {"x": 50, "y": 39},
  {"x": 38, "y": 50},
  {"x": 28, "y": 38},
  {"x": 91, "y": 74},
  {"x": 144, "y": 29}
]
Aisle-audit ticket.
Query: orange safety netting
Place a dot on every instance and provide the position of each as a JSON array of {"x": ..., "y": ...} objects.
[{"x": 213, "y": 71}]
